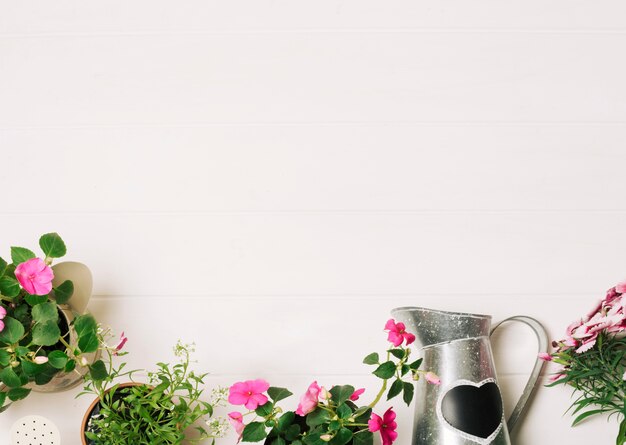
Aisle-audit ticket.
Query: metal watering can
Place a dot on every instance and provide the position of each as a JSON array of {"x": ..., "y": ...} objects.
[{"x": 467, "y": 408}]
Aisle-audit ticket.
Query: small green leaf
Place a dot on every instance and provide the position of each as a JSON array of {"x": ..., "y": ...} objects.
[
  {"x": 46, "y": 334},
  {"x": 31, "y": 369},
  {"x": 57, "y": 359},
  {"x": 16, "y": 394},
  {"x": 98, "y": 370},
  {"x": 363, "y": 438},
  {"x": 45, "y": 312},
  {"x": 343, "y": 436},
  {"x": 416, "y": 364},
  {"x": 3, "y": 268},
  {"x": 409, "y": 390},
  {"x": 63, "y": 292},
  {"x": 52, "y": 245},
  {"x": 386, "y": 370},
  {"x": 277, "y": 394},
  {"x": 340, "y": 394},
  {"x": 265, "y": 410},
  {"x": 254, "y": 432},
  {"x": 285, "y": 421},
  {"x": 372, "y": 359},
  {"x": 5, "y": 358},
  {"x": 10, "y": 378},
  {"x": 3, "y": 398},
  {"x": 70, "y": 366},
  {"x": 396, "y": 388},
  {"x": 21, "y": 254},
  {"x": 397, "y": 353},
  {"x": 317, "y": 417},
  {"x": 88, "y": 343},
  {"x": 9, "y": 287},
  {"x": 344, "y": 411},
  {"x": 34, "y": 300},
  {"x": 13, "y": 331}
]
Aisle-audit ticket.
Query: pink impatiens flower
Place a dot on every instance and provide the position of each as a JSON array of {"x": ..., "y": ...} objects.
[
  {"x": 398, "y": 333},
  {"x": 386, "y": 426},
  {"x": 356, "y": 394},
  {"x": 236, "y": 420},
  {"x": 3, "y": 313},
  {"x": 35, "y": 276},
  {"x": 432, "y": 378},
  {"x": 309, "y": 400},
  {"x": 121, "y": 343},
  {"x": 248, "y": 393}
]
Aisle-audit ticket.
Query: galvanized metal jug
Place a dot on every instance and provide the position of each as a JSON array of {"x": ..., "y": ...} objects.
[{"x": 467, "y": 408}]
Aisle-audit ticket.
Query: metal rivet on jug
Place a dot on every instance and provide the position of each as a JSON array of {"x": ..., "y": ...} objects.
[{"x": 467, "y": 408}]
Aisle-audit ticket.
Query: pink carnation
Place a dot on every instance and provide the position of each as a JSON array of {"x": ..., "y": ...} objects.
[{"x": 35, "y": 276}]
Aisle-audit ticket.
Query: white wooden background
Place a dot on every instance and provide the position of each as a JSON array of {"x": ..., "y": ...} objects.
[{"x": 301, "y": 168}]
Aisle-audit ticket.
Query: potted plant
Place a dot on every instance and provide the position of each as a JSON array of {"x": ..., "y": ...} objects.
[
  {"x": 592, "y": 360},
  {"x": 41, "y": 340},
  {"x": 330, "y": 416},
  {"x": 161, "y": 411}
]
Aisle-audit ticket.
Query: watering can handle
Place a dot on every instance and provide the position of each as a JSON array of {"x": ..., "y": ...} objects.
[{"x": 542, "y": 339}]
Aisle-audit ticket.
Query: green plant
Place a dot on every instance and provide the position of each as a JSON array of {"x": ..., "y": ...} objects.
[
  {"x": 160, "y": 411},
  {"x": 592, "y": 357},
  {"x": 34, "y": 337}
]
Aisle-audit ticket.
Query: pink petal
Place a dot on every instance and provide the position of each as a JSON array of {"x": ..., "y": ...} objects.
[
  {"x": 621, "y": 287},
  {"x": 1, "y": 325},
  {"x": 390, "y": 325},
  {"x": 374, "y": 423},
  {"x": 258, "y": 385},
  {"x": 432, "y": 378},
  {"x": 545, "y": 356},
  {"x": 3, "y": 312},
  {"x": 356, "y": 394},
  {"x": 586, "y": 346},
  {"x": 410, "y": 338},
  {"x": 395, "y": 338}
]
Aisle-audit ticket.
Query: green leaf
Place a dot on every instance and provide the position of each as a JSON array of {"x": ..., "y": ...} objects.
[
  {"x": 397, "y": 353},
  {"x": 372, "y": 359},
  {"x": 586, "y": 414},
  {"x": 3, "y": 398},
  {"x": 363, "y": 438},
  {"x": 16, "y": 394},
  {"x": 34, "y": 300},
  {"x": 254, "y": 432},
  {"x": 31, "y": 369},
  {"x": 87, "y": 330},
  {"x": 57, "y": 359},
  {"x": 277, "y": 394},
  {"x": 63, "y": 292},
  {"x": 344, "y": 411},
  {"x": 21, "y": 254},
  {"x": 340, "y": 394},
  {"x": 10, "y": 378},
  {"x": 409, "y": 390},
  {"x": 5, "y": 358},
  {"x": 285, "y": 421},
  {"x": 88, "y": 343},
  {"x": 45, "y": 312},
  {"x": 9, "y": 287},
  {"x": 396, "y": 388},
  {"x": 343, "y": 436},
  {"x": 52, "y": 245},
  {"x": 386, "y": 370},
  {"x": 3, "y": 268},
  {"x": 98, "y": 371},
  {"x": 265, "y": 410},
  {"x": 22, "y": 351},
  {"x": 317, "y": 417},
  {"x": 70, "y": 366},
  {"x": 46, "y": 334},
  {"x": 416, "y": 364},
  {"x": 13, "y": 331},
  {"x": 279, "y": 441}
]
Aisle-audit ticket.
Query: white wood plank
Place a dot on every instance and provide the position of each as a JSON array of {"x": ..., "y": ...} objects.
[
  {"x": 206, "y": 16},
  {"x": 338, "y": 253},
  {"x": 307, "y": 77},
  {"x": 319, "y": 168}
]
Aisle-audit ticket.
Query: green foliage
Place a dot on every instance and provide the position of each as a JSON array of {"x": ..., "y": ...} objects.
[
  {"x": 21, "y": 254},
  {"x": 596, "y": 375},
  {"x": 159, "y": 412},
  {"x": 63, "y": 292},
  {"x": 52, "y": 245}
]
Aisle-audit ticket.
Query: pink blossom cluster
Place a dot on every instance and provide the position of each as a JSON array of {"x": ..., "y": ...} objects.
[{"x": 608, "y": 315}]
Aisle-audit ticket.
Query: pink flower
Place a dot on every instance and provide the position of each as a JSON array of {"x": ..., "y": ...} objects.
[
  {"x": 35, "y": 276},
  {"x": 432, "y": 378},
  {"x": 356, "y": 394},
  {"x": 398, "y": 334},
  {"x": 308, "y": 401},
  {"x": 3, "y": 313},
  {"x": 621, "y": 287},
  {"x": 40, "y": 359},
  {"x": 236, "y": 420},
  {"x": 545, "y": 356},
  {"x": 120, "y": 344},
  {"x": 386, "y": 425},
  {"x": 249, "y": 393}
]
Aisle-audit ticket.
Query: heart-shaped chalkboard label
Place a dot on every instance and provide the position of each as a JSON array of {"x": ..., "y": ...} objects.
[{"x": 473, "y": 409}]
